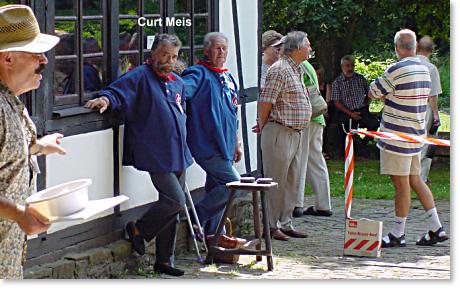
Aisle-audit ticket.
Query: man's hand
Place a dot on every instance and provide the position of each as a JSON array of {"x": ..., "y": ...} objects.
[
  {"x": 356, "y": 115},
  {"x": 256, "y": 128},
  {"x": 49, "y": 144},
  {"x": 101, "y": 103},
  {"x": 436, "y": 120},
  {"x": 238, "y": 153},
  {"x": 31, "y": 221}
]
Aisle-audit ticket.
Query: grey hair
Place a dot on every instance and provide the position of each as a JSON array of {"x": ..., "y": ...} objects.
[
  {"x": 347, "y": 57},
  {"x": 166, "y": 39},
  {"x": 293, "y": 41},
  {"x": 207, "y": 41},
  {"x": 406, "y": 39},
  {"x": 426, "y": 44}
]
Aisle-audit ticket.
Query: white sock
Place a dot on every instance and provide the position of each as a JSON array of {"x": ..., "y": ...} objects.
[
  {"x": 434, "y": 223},
  {"x": 399, "y": 226}
]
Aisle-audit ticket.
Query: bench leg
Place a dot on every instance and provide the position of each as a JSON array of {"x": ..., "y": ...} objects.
[
  {"x": 267, "y": 237},
  {"x": 256, "y": 216}
]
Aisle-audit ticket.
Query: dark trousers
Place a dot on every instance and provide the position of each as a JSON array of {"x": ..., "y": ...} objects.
[
  {"x": 367, "y": 121},
  {"x": 162, "y": 218}
]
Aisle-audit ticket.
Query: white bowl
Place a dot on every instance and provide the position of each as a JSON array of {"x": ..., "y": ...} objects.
[{"x": 61, "y": 200}]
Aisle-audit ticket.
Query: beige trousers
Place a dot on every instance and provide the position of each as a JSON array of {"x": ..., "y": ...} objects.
[
  {"x": 282, "y": 152},
  {"x": 426, "y": 162},
  {"x": 317, "y": 174}
]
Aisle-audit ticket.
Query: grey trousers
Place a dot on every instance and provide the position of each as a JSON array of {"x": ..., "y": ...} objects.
[
  {"x": 317, "y": 174},
  {"x": 283, "y": 150},
  {"x": 162, "y": 218}
]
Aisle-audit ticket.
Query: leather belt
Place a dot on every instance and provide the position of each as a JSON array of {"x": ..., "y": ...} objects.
[{"x": 278, "y": 122}]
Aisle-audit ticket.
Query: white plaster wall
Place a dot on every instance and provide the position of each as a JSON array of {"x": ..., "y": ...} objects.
[{"x": 88, "y": 156}]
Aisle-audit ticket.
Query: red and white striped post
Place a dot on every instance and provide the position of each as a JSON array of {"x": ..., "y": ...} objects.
[{"x": 349, "y": 169}]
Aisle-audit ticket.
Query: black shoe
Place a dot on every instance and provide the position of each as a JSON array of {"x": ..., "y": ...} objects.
[
  {"x": 311, "y": 211},
  {"x": 166, "y": 269},
  {"x": 394, "y": 241},
  {"x": 298, "y": 212},
  {"x": 431, "y": 238},
  {"x": 136, "y": 239}
]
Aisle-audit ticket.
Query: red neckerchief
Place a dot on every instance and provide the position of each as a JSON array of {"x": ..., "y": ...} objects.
[
  {"x": 215, "y": 69},
  {"x": 166, "y": 78}
]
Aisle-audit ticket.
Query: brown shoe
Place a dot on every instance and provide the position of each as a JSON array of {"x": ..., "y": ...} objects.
[
  {"x": 278, "y": 235},
  {"x": 227, "y": 242},
  {"x": 293, "y": 233}
]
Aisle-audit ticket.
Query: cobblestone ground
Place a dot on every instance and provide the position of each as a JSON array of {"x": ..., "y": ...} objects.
[{"x": 320, "y": 255}]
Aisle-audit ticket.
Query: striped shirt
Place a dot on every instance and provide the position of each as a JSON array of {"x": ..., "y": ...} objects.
[
  {"x": 351, "y": 93},
  {"x": 405, "y": 87},
  {"x": 285, "y": 89}
]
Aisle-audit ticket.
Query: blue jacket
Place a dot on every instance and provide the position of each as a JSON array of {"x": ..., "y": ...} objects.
[
  {"x": 212, "y": 112},
  {"x": 154, "y": 111}
]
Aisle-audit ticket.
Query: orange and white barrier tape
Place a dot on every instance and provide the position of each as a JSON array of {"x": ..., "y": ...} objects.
[
  {"x": 349, "y": 155},
  {"x": 403, "y": 137}
]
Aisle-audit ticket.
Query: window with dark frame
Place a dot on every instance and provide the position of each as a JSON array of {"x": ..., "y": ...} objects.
[{"x": 81, "y": 62}]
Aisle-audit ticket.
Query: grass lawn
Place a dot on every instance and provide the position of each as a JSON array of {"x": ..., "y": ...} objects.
[{"x": 369, "y": 184}]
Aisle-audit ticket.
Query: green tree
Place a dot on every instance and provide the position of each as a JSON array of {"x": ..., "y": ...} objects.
[{"x": 336, "y": 28}]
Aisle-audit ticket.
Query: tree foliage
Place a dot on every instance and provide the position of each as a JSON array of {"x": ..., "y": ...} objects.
[{"x": 336, "y": 28}]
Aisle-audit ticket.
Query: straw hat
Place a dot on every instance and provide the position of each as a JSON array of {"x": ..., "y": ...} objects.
[
  {"x": 19, "y": 31},
  {"x": 281, "y": 41}
]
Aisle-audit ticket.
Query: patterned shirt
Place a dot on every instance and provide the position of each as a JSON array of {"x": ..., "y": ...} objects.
[
  {"x": 405, "y": 87},
  {"x": 284, "y": 88},
  {"x": 351, "y": 93},
  {"x": 17, "y": 134}
]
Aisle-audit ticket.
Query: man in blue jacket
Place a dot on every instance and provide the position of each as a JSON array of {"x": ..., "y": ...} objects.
[
  {"x": 212, "y": 125},
  {"x": 151, "y": 99}
]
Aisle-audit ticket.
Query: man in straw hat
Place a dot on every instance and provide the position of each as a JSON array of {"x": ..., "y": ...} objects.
[{"x": 22, "y": 60}]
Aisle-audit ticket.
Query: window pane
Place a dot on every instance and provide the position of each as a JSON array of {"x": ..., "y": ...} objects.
[
  {"x": 65, "y": 30},
  {"x": 152, "y": 7},
  {"x": 92, "y": 74},
  {"x": 65, "y": 77},
  {"x": 183, "y": 33},
  {"x": 201, "y": 6},
  {"x": 181, "y": 6},
  {"x": 201, "y": 28},
  {"x": 92, "y": 30},
  {"x": 65, "y": 7},
  {"x": 183, "y": 61},
  {"x": 128, "y": 7},
  {"x": 128, "y": 26},
  {"x": 92, "y": 7},
  {"x": 127, "y": 63},
  {"x": 197, "y": 55}
]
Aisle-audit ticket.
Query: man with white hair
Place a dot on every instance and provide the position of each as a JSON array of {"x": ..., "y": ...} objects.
[
  {"x": 212, "y": 126},
  {"x": 22, "y": 60},
  {"x": 284, "y": 113},
  {"x": 404, "y": 87}
]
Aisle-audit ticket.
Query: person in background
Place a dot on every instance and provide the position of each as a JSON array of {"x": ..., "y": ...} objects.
[
  {"x": 271, "y": 53},
  {"x": 284, "y": 113},
  {"x": 405, "y": 87},
  {"x": 317, "y": 174},
  {"x": 425, "y": 49},
  {"x": 349, "y": 95},
  {"x": 22, "y": 60}
]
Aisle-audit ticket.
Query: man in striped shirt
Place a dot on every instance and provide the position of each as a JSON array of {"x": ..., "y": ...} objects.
[{"x": 404, "y": 88}]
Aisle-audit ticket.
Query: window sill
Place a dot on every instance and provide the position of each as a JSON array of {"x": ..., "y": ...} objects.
[{"x": 61, "y": 113}]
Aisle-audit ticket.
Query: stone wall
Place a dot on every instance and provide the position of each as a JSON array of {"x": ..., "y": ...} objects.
[{"x": 117, "y": 259}]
